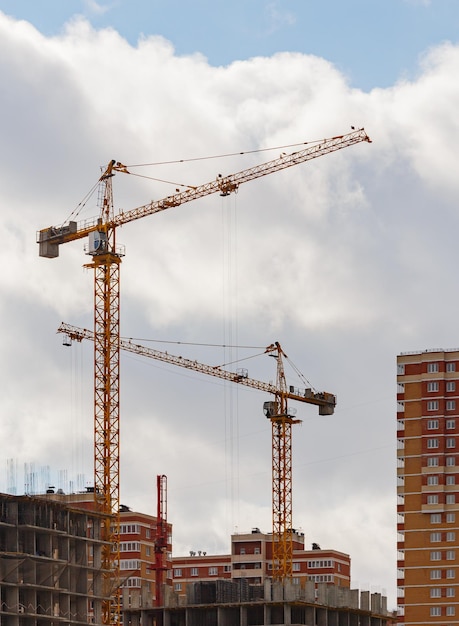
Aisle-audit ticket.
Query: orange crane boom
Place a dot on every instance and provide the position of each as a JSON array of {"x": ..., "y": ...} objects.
[
  {"x": 49, "y": 239},
  {"x": 281, "y": 421},
  {"x": 106, "y": 260}
]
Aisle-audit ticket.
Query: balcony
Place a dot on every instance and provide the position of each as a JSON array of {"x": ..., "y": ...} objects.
[{"x": 248, "y": 573}]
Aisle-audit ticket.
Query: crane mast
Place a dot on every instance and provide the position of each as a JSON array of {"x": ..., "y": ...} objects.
[
  {"x": 106, "y": 259},
  {"x": 277, "y": 411}
]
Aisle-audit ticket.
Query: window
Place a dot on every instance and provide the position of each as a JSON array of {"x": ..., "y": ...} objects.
[
  {"x": 450, "y": 461},
  {"x": 450, "y": 498},
  {"x": 451, "y": 367},
  {"x": 129, "y": 564},
  {"x": 147, "y": 533},
  {"x": 432, "y": 498},
  {"x": 450, "y": 442},
  {"x": 435, "y": 518},
  {"x": 450, "y": 610},
  {"x": 435, "y": 555},
  {"x": 129, "y": 546},
  {"x": 435, "y": 611},
  {"x": 450, "y": 555},
  {"x": 242, "y": 551},
  {"x": 451, "y": 518},
  {"x": 432, "y": 386},
  {"x": 432, "y": 480},
  {"x": 432, "y": 443},
  {"x": 450, "y": 405},
  {"x": 435, "y": 574},
  {"x": 435, "y": 537},
  {"x": 450, "y": 573},
  {"x": 129, "y": 529},
  {"x": 450, "y": 536},
  {"x": 450, "y": 592},
  {"x": 435, "y": 592},
  {"x": 194, "y": 571},
  {"x": 227, "y": 568},
  {"x": 177, "y": 573},
  {"x": 296, "y": 567},
  {"x": 401, "y": 369},
  {"x": 132, "y": 581},
  {"x": 432, "y": 424},
  {"x": 451, "y": 385},
  {"x": 147, "y": 551},
  {"x": 432, "y": 368},
  {"x": 178, "y": 586},
  {"x": 450, "y": 479},
  {"x": 450, "y": 424},
  {"x": 432, "y": 461},
  {"x": 213, "y": 571},
  {"x": 256, "y": 551},
  {"x": 432, "y": 405}
]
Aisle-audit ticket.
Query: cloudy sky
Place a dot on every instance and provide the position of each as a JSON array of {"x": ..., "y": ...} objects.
[{"x": 346, "y": 261}]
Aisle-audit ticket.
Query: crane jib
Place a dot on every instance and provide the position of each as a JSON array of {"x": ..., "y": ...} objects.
[{"x": 49, "y": 239}]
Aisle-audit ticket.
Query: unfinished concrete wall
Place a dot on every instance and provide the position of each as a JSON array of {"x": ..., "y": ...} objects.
[{"x": 50, "y": 560}]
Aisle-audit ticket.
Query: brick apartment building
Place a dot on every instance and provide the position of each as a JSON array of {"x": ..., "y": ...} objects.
[
  {"x": 428, "y": 487},
  {"x": 251, "y": 560},
  {"x": 137, "y": 550}
]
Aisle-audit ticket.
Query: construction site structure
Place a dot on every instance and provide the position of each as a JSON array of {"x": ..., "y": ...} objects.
[
  {"x": 231, "y": 603},
  {"x": 161, "y": 537},
  {"x": 50, "y": 563},
  {"x": 50, "y": 557},
  {"x": 139, "y": 538},
  {"x": 281, "y": 417},
  {"x": 106, "y": 257}
]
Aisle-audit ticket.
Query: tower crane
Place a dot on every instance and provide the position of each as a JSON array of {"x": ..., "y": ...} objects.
[
  {"x": 106, "y": 257},
  {"x": 277, "y": 411}
]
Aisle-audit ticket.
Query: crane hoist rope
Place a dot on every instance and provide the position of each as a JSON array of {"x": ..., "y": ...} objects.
[{"x": 106, "y": 256}]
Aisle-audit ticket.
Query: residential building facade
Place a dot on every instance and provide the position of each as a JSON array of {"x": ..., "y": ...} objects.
[
  {"x": 251, "y": 560},
  {"x": 428, "y": 487}
]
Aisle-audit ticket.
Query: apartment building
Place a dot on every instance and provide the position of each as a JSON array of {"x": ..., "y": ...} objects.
[
  {"x": 138, "y": 554},
  {"x": 428, "y": 487},
  {"x": 251, "y": 560}
]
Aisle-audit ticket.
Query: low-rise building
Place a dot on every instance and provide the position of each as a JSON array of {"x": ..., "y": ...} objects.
[{"x": 250, "y": 559}]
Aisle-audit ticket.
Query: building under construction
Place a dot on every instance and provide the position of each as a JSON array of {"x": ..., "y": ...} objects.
[
  {"x": 236, "y": 603},
  {"x": 50, "y": 574},
  {"x": 50, "y": 563}
]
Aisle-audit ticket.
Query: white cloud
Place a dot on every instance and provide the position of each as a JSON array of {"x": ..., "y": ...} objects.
[
  {"x": 96, "y": 8},
  {"x": 346, "y": 261}
]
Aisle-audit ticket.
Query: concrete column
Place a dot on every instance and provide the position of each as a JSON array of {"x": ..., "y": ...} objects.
[{"x": 287, "y": 615}]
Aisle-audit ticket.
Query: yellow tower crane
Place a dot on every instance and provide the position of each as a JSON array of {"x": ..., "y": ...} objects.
[
  {"x": 106, "y": 259},
  {"x": 277, "y": 411}
]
